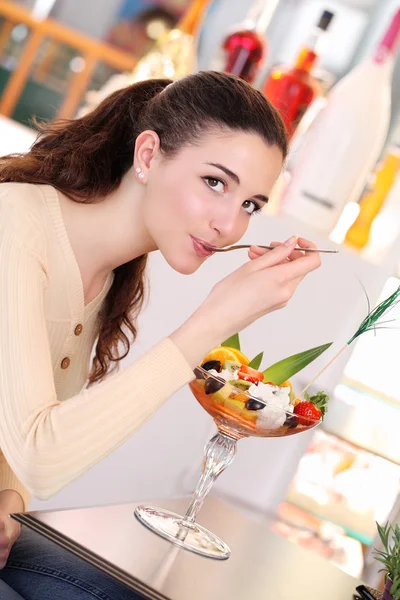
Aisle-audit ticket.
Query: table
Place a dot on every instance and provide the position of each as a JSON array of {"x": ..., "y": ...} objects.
[
  {"x": 15, "y": 137},
  {"x": 263, "y": 565}
]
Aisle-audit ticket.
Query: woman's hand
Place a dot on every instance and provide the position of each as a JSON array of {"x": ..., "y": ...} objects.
[
  {"x": 264, "y": 284},
  {"x": 10, "y": 502},
  {"x": 9, "y": 533},
  {"x": 261, "y": 286},
  {"x": 256, "y": 251}
]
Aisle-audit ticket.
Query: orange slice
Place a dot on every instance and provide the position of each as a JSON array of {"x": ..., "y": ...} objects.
[
  {"x": 241, "y": 358},
  {"x": 223, "y": 353}
]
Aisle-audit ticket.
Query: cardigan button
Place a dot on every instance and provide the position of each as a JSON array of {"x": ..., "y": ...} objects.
[
  {"x": 65, "y": 362},
  {"x": 78, "y": 329}
]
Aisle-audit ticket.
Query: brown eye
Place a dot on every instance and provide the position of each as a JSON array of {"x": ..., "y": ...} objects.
[
  {"x": 215, "y": 184},
  {"x": 251, "y": 207}
]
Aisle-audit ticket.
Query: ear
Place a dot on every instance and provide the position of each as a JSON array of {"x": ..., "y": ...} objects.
[{"x": 147, "y": 147}]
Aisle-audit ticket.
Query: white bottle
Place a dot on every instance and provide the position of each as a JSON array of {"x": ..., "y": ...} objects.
[
  {"x": 385, "y": 229},
  {"x": 345, "y": 140}
]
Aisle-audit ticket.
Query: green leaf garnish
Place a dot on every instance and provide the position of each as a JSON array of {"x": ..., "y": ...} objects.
[
  {"x": 286, "y": 368},
  {"x": 256, "y": 362},
  {"x": 371, "y": 321},
  {"x": 232, "y": 342}
]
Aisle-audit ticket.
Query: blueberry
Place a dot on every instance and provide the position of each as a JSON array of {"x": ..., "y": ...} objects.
[
  {"x": 212, "y": 364},
  {"x": 253, "y": 404},
  {"x": 291, "y": 421},
  {"x": 213, "y": 385},
  {"x": 199, "y": 373}
]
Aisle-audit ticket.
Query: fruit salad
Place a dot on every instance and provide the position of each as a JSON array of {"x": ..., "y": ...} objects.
[{"x": 243, "y": 404}]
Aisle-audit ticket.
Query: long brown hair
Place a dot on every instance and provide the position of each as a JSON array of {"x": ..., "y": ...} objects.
[{"x": 87, "y": 158}]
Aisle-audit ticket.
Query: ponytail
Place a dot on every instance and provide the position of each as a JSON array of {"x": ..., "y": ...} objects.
[{"x": 87, "y": 157}]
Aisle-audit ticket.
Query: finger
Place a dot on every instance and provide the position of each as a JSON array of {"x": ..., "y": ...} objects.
[
  {"x": 3, "y": 558},
  {"x": 275, "y": 256},
  {"x": 301, "y": 242},
  {"x": 4, "y": 541},
  {"x": 256, "y": 251},
  {"x": 253, "y": 256},
  {"x": 308, "y": 262},
  {"x": 296, "y": 254},
  {"x": 304, "y": 243},
  {"x": 301, "y": 267}
]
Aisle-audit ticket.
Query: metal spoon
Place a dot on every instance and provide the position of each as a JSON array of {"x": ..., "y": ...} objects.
[{"x": 240, "y": 246}]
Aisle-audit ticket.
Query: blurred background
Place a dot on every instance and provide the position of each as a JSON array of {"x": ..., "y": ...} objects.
[{"x": 332, "y": 68}]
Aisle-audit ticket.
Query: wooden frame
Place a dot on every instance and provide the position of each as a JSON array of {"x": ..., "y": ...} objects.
[{"x": 91, "y": 50}]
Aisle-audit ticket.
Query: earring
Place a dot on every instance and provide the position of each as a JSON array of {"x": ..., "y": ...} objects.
[
  {"x": 141, "y": 175},
  {"x": 138, "y": 169},
  {"x": 139, "y": 172}
]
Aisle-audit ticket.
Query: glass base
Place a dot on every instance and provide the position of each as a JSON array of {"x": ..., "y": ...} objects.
[{"x": 194, "y": 538}]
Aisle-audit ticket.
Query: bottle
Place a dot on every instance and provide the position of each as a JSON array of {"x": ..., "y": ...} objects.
[
  {"x": 173, "y": 56},
  {"x": 344, "y": 141},
  {"x": 292, "y": 90},
  {"x": 385, "y": 228},
  {"x": 175, "y": 53},
  {"x": 372, "y": 201},
  {"x": 244, "y": 48}
]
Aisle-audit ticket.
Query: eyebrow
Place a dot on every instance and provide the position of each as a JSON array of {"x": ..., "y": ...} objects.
[
  {"x": 261, "y": 197},
  {"x": 227, "y": 171},
  {"x": 236, "y": 179}
]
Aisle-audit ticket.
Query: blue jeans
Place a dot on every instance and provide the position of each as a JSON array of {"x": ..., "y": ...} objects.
[
  {"x": 6, "y": 593},
  {"x": 38, "y": 569}
]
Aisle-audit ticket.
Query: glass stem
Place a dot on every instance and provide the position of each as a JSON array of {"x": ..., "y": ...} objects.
[{"x": 219, "y": 453}]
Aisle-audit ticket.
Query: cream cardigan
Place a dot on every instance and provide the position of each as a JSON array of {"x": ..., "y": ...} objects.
[{"x": 52, "y": 430}]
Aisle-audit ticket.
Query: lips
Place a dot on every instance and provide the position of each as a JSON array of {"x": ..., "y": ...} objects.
[{"x": 199, "y": 247}]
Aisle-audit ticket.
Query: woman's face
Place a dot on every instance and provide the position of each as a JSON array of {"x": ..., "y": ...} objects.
[{"x": 207, "y": 193}]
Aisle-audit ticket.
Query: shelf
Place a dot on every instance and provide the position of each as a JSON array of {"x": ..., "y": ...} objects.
[{"x": 366, "y": 422}]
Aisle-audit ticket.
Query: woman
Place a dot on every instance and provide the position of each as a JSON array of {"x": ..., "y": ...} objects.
[{"x": 157, "y": 166}]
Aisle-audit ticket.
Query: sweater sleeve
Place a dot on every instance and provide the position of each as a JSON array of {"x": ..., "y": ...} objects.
[
  {"x": 49, "y": 443},
  {"x": 9, "y": 481}
]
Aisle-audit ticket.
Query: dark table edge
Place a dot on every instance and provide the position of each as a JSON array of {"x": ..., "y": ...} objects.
[{"x": 87, "y": 555}]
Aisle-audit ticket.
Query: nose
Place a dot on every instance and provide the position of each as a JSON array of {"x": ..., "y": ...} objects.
[{"x": 226, "y": 222}]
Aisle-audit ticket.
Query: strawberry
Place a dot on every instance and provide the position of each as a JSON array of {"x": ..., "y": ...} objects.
[
  {"x": 249, "y": 374},
  {"x": 306, "y": 413},
  {"x": 311, "y": 409}
]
